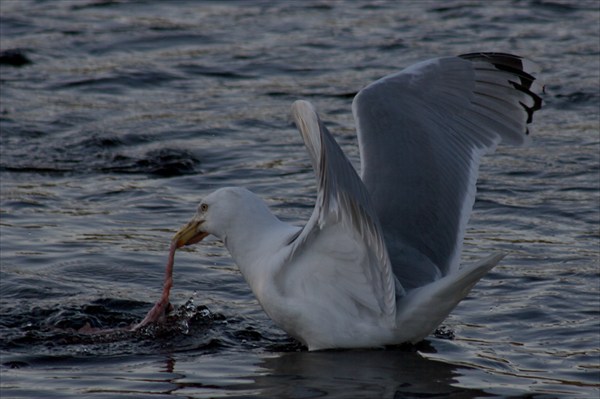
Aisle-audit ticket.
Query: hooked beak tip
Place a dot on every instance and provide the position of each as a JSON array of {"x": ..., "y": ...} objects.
[{"x": 189, "y": 234}]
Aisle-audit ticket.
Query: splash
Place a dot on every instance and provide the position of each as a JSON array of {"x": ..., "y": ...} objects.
[{"x": 158, "y": 313}]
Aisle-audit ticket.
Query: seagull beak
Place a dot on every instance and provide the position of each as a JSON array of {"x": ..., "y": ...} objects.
[{"x": 189, "y": 234}]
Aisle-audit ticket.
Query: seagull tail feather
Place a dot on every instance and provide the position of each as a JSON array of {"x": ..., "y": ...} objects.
[{"x": 427, "y": 306}]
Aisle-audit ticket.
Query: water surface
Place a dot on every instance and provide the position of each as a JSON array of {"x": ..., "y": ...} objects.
[{"x": 116, "y": 117}]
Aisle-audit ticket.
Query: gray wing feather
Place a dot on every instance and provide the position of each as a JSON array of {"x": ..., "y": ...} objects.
[
  {"x": 421, "y": 133},
  {"x": 342, "y": 198}
]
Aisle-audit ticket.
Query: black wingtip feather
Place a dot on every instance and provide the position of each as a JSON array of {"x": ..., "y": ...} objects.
[{"x": 513, "y": 64}]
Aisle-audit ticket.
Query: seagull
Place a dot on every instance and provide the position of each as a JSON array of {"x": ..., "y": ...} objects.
[{"x": 378, "y": 262}]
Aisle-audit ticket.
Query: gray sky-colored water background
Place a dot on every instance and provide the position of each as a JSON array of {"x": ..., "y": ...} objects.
[{"x": 116, "y": 117}]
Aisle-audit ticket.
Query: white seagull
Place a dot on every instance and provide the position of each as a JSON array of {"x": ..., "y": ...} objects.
[{"x": 378, "y": 262}]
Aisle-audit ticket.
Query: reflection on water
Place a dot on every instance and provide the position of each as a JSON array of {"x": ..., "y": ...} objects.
[
  {"x": 364, "y": 374},
  {"x": 117, "y": 116},
  {"x": 394, "y": 372}
]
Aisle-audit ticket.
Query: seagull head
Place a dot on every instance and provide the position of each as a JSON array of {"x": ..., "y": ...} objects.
[{"x": 225, "y": 211}]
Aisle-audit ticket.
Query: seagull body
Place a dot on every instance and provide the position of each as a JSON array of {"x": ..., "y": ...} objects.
[{"x": 378, "y": 261}]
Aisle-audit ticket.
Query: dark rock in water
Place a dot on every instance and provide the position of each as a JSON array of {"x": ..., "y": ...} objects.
[{"x": 14, "y": 57}]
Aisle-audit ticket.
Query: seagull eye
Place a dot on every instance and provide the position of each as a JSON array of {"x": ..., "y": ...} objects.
[{"x": 203, "y": 207}]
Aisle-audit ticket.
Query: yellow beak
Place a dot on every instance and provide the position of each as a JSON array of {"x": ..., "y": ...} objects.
[{"x": 189, "y": 234}]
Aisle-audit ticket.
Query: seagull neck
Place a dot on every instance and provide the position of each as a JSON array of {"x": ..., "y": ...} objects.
[{"x": 256, "y": 242}]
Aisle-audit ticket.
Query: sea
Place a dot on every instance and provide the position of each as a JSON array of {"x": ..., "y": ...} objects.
[{"x": 118, "y": 116}]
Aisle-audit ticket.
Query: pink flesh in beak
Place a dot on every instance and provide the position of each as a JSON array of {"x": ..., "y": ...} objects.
[
  {"x": 159, "y": 311},
  {"x": 187, "y": 235}
]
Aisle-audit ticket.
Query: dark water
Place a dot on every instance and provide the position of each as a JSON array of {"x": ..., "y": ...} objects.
[{"x": 116, "y": 117}]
